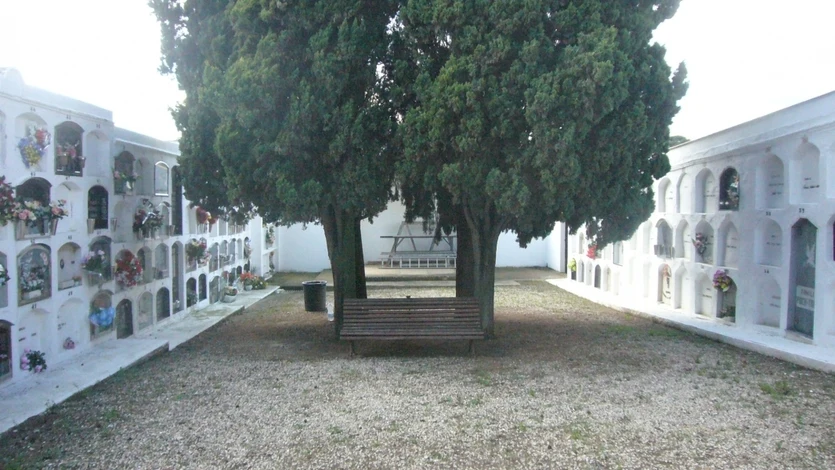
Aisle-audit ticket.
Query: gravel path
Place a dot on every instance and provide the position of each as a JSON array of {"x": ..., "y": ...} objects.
[{"x": 567, "y": 384}]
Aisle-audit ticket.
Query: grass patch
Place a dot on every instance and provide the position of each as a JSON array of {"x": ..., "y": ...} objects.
[
  {"x": 482, "y": 377},
  {"x": 779, "y": 390}
]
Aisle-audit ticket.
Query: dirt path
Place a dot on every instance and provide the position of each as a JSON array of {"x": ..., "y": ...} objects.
[{"x": 567, "y": 384}]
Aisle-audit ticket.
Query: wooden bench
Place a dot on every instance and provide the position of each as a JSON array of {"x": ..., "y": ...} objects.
[{"x": 445, "y": 318}]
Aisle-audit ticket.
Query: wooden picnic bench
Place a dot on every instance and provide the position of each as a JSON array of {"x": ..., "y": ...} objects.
[{"x": 444, "y": 318}]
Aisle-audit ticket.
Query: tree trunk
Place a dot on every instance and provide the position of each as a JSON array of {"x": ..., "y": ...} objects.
[
  {"x": 341, "y": 233},
  {"x": 464, "y": 265},
  {"x": 484, "y": 239},
  {"x": 362, "y": 288}
]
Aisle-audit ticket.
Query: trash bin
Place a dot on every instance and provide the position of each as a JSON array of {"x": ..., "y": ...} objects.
[{"x": 315, "y": 296}]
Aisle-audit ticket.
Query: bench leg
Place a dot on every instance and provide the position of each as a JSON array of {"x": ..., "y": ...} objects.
[
  {"x": 472, "y": 349},
  {"x": 353, "y": 351}
]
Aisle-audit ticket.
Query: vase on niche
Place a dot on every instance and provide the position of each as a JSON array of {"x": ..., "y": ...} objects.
[
  {"x": 91, "y": 225},
  {"x": 50, "y": 226},
  {"x": 32, "y": 294}
]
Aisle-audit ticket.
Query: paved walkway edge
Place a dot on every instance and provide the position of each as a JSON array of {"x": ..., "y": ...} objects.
[
  {"x": 36, "y": 393},
  {"x": 768, "y": 343}
]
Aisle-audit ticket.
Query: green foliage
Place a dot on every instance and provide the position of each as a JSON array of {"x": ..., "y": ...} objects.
[
  {"x": 284, "y": 110},
  {"x": 529, "y": 113}
]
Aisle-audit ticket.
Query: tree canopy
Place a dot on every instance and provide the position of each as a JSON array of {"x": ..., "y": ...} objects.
[
  {"x": 521, "y": 114},
  {"x": 285, "y": 111}
]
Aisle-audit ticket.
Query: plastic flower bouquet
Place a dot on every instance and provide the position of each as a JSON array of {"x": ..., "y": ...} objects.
[
  {"x": 33, "y": 146},
  {"x": 95, "y": 262},
  {"x": 33, "y": 361},
  {"x": 102, "y": 316},
  {"x": 128, "y": 270},
  {"x": 722, "y": 281},
  {"x": 7, "y": 202},
  {"x": 196, "y": 250},
  {"x": 700, "y": 242}
]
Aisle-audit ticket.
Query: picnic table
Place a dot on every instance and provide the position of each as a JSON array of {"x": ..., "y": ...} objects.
[{"x": 439, "y": 254}]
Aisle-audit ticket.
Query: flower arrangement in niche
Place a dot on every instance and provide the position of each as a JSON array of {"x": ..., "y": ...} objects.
[
  {"x": 7, "y": 202},
  {"x": 270, "y": 237},
  {"x": 4, "y": 275},
  {"x": 592, "y": 252},
  {"x": 33, "y": 361},
  {"x": 33, "y": 146},
  {"x": 102, "y": 316},
  {"x": 203, "y": 216},
  {"x": 247, "y": 278},
  {"x": 34, "y": 270},
  {"x": 125, "y": 178},
  {"x": 572, "y": 265},
  {"x": 196, "y": 250},
  {"x": 247, "y": 251},
  {"x": 95, "y": 262},
  {"x": 32, "y": 211},
  {"x": 700, "y": 243},
  {"x": 128, "y": 270},
  {"x": 722, "y": 281}
]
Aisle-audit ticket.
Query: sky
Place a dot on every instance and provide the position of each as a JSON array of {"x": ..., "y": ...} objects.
[{"x": 745, "y": 58}]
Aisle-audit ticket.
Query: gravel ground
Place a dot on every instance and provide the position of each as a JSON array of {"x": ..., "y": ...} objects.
[{"x": 567, "y": 384}]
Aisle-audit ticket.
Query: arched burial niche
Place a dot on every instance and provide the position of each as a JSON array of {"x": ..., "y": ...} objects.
[
  {"x": 177, "y": 281},
  {"x": 768, "y": 302},
  {"x": 202, "y": 287},
  {"x": 124, "y": 319},
  {"x": 665, "y": 197},
  {"x": 163, "y": 304},
  {"x": 663, "y": 240},
  {"x": 34, "y": 274},
  {"x": 728, "y": 246},
  {"x": 2, "y": 148},
  {"x": 102, "y": 314},
  {"x": 145, "y": 316},
  {"x": 214, "y": 289},
  {"x": 144, "y": 256},
  {"x": 33, "y": 192},
  {"x": 97, "y": 153},
  {"x": 729, "y": 190},
  {"x": 580, "y": 271},
  {"x": 682, "y": 290},
  {"x": 771, "y": 183},
  {"x": 72, "y": 323},
  {"x": 703, "y": 243},
  {"x": 684, "y": 189},
  {"x": 597, "y": 275},
  {"x": 31, "y": 129},
  {"x": 4, "y": 280},
  {"x": 768, "y": 249},
  {"x": 124, "y": 176},
  {"x": 97, "y": 208},
  {"x": 69, "y": 155},
  {"x": 161, "y": 179},
  {"x": 727, "y": 303},
  {"x": 176, "y": 201},
  {"x": 6, "y": 354},
  {"x": 807, "y": 179},
  {"x": 69, "y": 266},
  {"x": 684, "y": 241},
  {"x": 191, "y": 292},
  {"x": 802, "y": 278},
  {"x": 161, "y": 258},
  {"x": 665, "y": 285},
  {"x": 705, "y": 200},
  {"x": 705, "y": 301}
]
